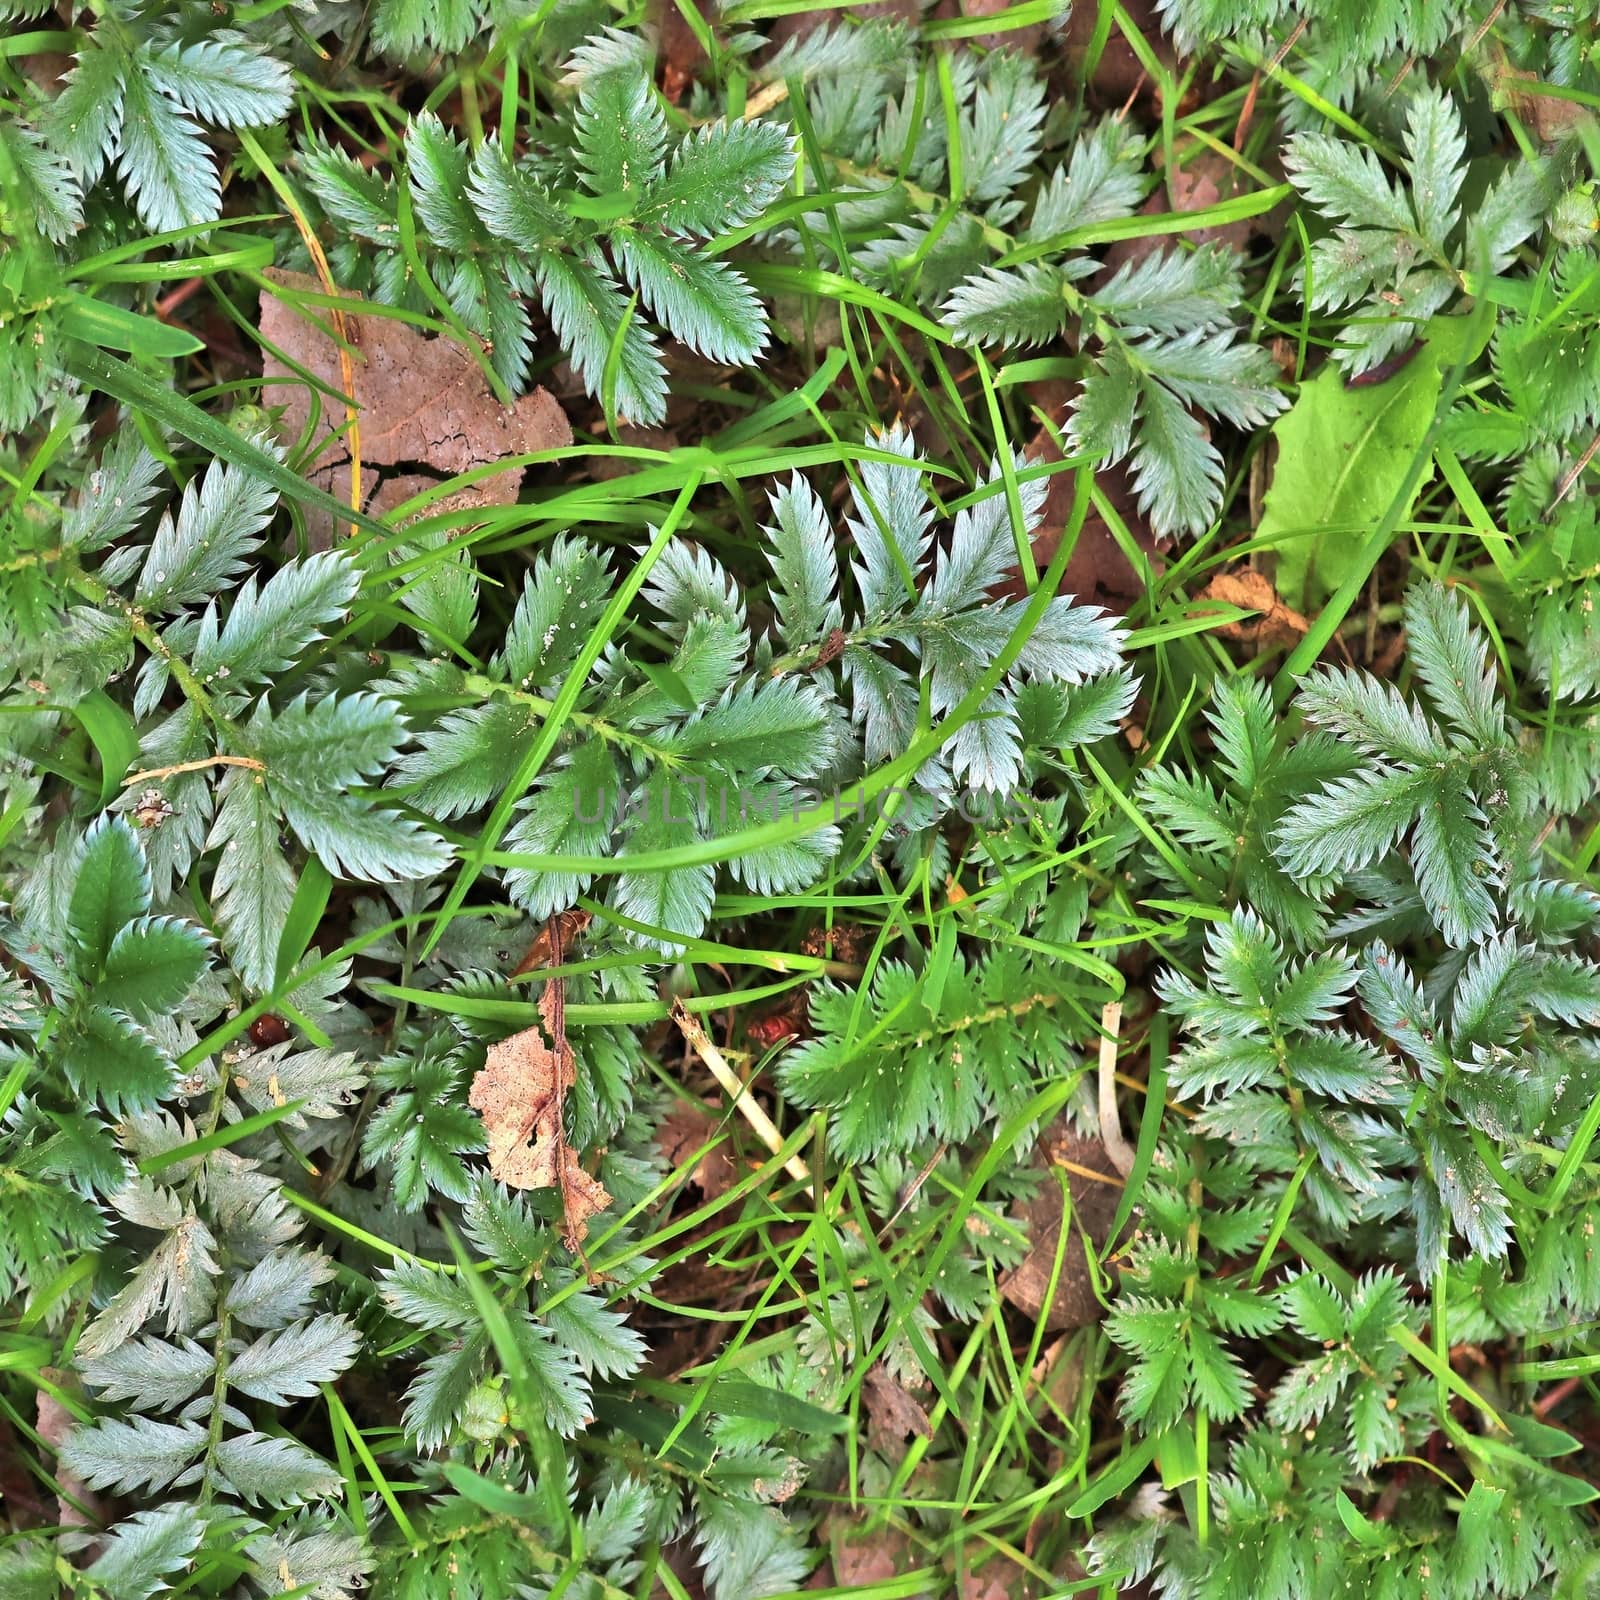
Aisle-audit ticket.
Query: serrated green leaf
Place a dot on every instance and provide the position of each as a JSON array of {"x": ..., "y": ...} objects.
[
  {"x": 163, "y": 160},
  {"x": 111, "y": 888},
  {"x": 253, "y": 887},
  {"x": 223, "y": 78},
  {"x": 700, "y": 300},
  {"x": 571, "y": 813},
  {"x": 151, "y": 966},
  {"x": 268, "y": 631},
  {"x": 721, "y": 177},
  {"x": 293, "y": 1362},
  {"x": 263, "y": 1470},
  {"x": 129, "y": 1455}
]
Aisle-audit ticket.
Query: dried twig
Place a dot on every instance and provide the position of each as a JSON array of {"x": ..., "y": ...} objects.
[
  {"x": 1117, "y": 1148},
  {"x": 716, "y": 1063},
  {"x": 1574, "y": 472},
  {"x": 156, "y": 774}
]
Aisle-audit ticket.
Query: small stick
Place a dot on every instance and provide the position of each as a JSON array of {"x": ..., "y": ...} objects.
[
  {"x": 155, "y": 774},
  {"x": 1543, "y": 1406},
  {"x": 1483, "y": 27},
  {"x": 1246, "y": 112},
  {"x": 764, "y": 99},
  {"x": 914, "y": 1188},
  {"x": 716, "y": 1063},
  {"x": 1574, "y": 472},
  {"x": 1117, "y": 1148},
  {"x": 174, "y": 298},
  {"x": 1089, "y": 1174}
]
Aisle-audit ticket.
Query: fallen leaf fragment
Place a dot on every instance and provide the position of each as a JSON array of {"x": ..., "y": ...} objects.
[
  {"x": 521, "y": 1095},
  {"x": 1120, "y": 78},
  {"x": 1278, "y": 627},
  {"x": 562, "y": 930},
  {"x": 78, "y": 1505},
  {"x": 864, "y": 1556},
  {"x": 1098, "y": 572},
  {"x": 424, "y": 408},
  {"x": 1520, "y": 90},
  {"x": 681, "y": 51},
  {"x": 998, "y": 1580},
  {"x": 893, "y": 1412},
  {"x": 1095, "y": 1188},
  {"x": 1197, "y": 180},
  {"x": 688, "y": 1127}
]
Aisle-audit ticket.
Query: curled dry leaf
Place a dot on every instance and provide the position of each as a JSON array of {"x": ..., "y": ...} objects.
[
  {"x": 1277, "y": 627},
  {"x": 554, "y": 937},
  {"x": 425, "y": 411},
  {"x": 521, "y": 1095}
]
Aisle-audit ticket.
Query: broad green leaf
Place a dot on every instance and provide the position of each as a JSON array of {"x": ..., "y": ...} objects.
[
  {"x": 1343, "y": 454},
  {"x": 112, "y": 733}
]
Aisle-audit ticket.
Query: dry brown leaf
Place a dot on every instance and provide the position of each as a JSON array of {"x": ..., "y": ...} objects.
[
  {"x": 681, "y": 52},
  {"x": 1094, "y": 1204},
  {"x": 893, "y": 1412},
  {"x": 1097, "y": 572},
  {"x": 1278, "y": 627},
  {"x": 1058, "y": 1373},
  {"x": 424, "y": 407},
  {"x": 521, "y": 1095},
  {"x": 685, "y": 1129},
  {"x": 997, "y": 1579},
  {"x": 607, "y": 469},
  {"x": 1199, "y": 179},
  {"x": 555, "y": 936},
  {"x": 863, "y": 1557},
  {"x": 1023, "y": 41},
  {"x": 22, "y": 1494},
  {"x": 55, "y": 1422},
  {"x": 1551, "y": 116},
  {"x": 1120, "y": 79}
]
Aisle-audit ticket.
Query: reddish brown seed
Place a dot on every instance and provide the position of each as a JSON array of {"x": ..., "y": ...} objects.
[{"x": 268, "y": 1030}]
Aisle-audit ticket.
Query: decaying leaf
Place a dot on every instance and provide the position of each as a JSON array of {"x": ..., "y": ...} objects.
[
  {"x": 893, "y": 1413},
  {"x": 521, "y": 1094},
  {"x": 78, "y": 1505},
  {"x": 1196, "y": 180},
  {"x": 1277, "y": 627},
  {"x": 865, "y": 1555},
  {"x": 1095, "y": 1188},
  {"x": 1551, "y": 116},
  {"x": 425, "y": 411},
  {"x": 559, "y": 932},
  {"x": 688, "y": 1127},
  {"x": 1098, "y": 571}
]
